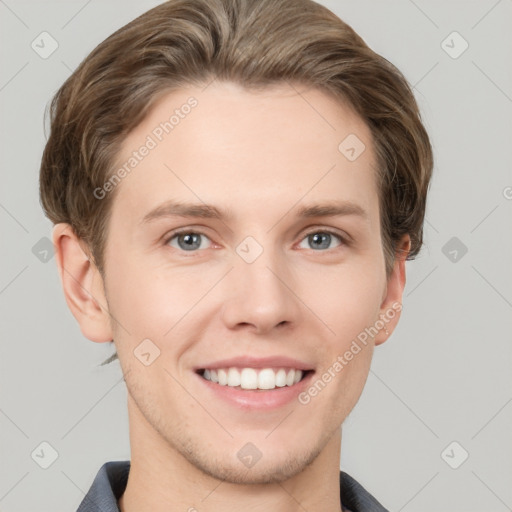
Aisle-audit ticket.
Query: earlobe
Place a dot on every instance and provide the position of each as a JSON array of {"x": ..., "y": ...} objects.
[
  {"x": 391, "y": 306},
  {"x": 82, "y": 285}
]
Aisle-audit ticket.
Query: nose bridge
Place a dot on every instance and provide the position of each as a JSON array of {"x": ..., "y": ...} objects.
[{"x": 257, "y": 293}]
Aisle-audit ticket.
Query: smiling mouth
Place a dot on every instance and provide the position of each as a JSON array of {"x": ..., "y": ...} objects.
[{"x": 254, "y": 379}]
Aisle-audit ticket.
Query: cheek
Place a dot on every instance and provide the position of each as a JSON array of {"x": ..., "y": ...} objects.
[
  {"x": 354, "y": 316},
  {"x": 142, "y": 303},
  {"x": 346, "y": 300}
]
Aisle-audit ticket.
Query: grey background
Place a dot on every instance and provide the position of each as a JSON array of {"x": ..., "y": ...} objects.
[{"x": 445, "y": 374}]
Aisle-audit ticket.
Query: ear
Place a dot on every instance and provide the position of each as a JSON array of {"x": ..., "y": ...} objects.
[
  {"x": 391, "y": 306},
  {"x": 82, "y": 284}
]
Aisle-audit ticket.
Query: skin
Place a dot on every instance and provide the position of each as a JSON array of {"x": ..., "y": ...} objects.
[{"x": 261, "y": 156}]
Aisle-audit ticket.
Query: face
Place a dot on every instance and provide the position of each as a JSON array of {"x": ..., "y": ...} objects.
[{"x": 266, "y": 275}]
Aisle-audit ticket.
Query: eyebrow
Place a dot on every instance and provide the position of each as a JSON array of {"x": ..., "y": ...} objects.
[{"x": 205, "y": 211}]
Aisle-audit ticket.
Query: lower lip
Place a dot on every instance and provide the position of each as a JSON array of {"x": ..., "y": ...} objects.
[{"x": 258, "y": 399}]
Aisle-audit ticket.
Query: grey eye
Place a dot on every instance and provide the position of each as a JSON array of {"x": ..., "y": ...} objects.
[
  {"x": 321, "y": 240},
  {"x": 189, "y": 241}
]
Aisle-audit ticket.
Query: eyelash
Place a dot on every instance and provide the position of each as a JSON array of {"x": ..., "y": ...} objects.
[{"x": 343, "y": 240}]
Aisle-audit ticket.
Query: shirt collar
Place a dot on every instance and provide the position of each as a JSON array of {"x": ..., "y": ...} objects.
[{"x": 111, "y": 480}]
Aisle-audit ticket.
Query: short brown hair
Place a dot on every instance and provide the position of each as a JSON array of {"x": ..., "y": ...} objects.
[{"x": 255, "y": 43}]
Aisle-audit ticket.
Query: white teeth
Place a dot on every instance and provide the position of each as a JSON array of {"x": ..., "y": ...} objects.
[
  {"x": 267, "y": 379},
  {"x": 223, "y": 377},
  {"x": 250, "y": 378},
  {"x": 233, "y": 377},
  {"x": 281, "y": 378}
]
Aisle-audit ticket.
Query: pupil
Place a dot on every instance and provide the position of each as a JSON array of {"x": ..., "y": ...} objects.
[
  {"x": 189, "y": 241},
  {"x": 317, "y": 237}
]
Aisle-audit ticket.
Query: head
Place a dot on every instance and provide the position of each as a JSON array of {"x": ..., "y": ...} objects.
[{"x": 260, "y": 114}]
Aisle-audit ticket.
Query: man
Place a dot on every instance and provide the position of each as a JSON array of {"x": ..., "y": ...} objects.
[{"x": 236, "y": 186}]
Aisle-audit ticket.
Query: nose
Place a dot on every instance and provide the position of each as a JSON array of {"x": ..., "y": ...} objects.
[{"x": 260, "y": 295}]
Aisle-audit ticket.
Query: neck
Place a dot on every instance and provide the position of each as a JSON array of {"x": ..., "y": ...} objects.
[{"x": 162, "y": 479}]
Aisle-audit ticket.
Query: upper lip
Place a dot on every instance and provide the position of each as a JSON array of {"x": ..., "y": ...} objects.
[{"x": 256, "y": 362}]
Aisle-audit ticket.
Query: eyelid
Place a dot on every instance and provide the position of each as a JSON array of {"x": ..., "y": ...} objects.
[
  {"x": 344, "y": 240},
  {"x": 184, "y": 231},
  {"x": 345, "y": 237}
]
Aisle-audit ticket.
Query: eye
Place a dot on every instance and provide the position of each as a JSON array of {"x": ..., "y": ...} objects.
[
  {"x": 192, "y": 241},
  {"x": 187, "y": 240},
  {"x": 322, "y": 239}
]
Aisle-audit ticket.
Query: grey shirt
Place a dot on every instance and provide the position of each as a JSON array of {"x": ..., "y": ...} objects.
[{"x": 111, "y": 480}]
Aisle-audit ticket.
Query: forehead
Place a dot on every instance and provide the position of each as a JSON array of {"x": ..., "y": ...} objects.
[{"x": 246, "y": 150}]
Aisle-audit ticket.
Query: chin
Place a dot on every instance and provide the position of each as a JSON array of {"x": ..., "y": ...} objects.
[{"x": 270, "y": 468}]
